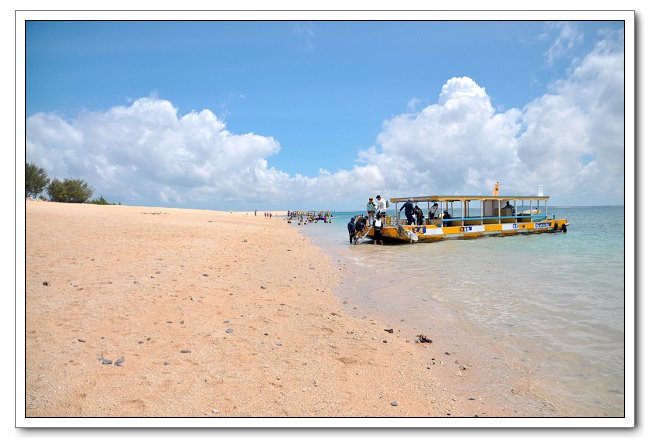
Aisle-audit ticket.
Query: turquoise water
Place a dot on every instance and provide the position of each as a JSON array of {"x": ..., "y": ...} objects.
[{"x": 550, "y": 306}]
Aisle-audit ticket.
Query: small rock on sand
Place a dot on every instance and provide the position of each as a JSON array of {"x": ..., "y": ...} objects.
[
  {"x": 120, "y": 361},
  {"x": 388, "y": 330},
  {"x": 226, "y": 321},
  {"x": 229, "y": 330},
  {"x": 185, "y": 350},
  {"x": 422, "y": 338},
  {"x": 106, "y": 361},
  {"x": 393, "y": 403}
]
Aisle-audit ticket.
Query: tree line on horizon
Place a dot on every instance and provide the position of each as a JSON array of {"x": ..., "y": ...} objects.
[{"x": 66, "y": 190}]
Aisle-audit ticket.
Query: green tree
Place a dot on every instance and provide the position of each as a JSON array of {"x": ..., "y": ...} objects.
[
  {"x": 101, "y": 201},
  {"x": 69, "y": 190},
  {"x": 35, "y": 180}
]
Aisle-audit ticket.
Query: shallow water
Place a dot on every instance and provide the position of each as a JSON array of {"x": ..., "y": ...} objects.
[{"x": 550, "y": 305}]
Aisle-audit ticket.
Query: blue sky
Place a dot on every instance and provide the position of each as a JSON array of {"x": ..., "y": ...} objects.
[{"x": 284, "y": 114}]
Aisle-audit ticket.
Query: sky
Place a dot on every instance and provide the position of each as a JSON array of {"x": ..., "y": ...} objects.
[{"x": 282, "y": 115}]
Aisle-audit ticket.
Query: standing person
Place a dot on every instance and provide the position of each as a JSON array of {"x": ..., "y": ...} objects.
[
  {"x": 378, "y": 227},
  {"x": 370, "y": 208},
  {"x": 434, "y": 212},
  {"x": 360, "y": 224},
  {"x": 419, "y": 215},
  {"x": 408, "y": 209},
  {"x": 381, "y": 208},
  {"x": 352, "y": 230}
]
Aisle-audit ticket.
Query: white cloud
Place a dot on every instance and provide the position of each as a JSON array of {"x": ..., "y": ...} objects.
[
  {"x": 567, "y": 39},
  {"x": 145, "y": 152},
  {"x": 459, "y": 137},
  {"x": 570, "y": 140},
  {"x": 574, "y": 136},
  {"x": 306, "y": 32},
  {"x": 413, "y": 104}
]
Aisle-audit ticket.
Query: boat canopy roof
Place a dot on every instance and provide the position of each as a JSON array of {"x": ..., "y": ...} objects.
[{"x": 453, "y": 198}]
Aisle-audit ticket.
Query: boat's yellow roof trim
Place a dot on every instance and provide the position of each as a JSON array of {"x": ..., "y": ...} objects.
[{"x": 469, "y": 198}]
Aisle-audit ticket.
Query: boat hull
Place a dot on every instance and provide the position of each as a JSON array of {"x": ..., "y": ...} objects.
[{"x": 432, "y": 233}]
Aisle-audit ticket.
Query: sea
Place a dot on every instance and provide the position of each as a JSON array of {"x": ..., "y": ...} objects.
[{"x": 548, "y": 307}]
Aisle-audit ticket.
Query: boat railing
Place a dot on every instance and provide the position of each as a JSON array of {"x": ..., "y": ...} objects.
[
  {"x": 478, "y": 219},
  {"x": 512, "y": 218}
]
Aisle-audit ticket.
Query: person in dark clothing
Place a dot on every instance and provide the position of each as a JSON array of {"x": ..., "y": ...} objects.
[
  {"x": 508, "y": 210},
  {"x": 361, "y": 223},
  {"x": 419, "y": 215},
  {"x": 352, "y": 230},
  {"x": 434, "y": 212},
  {"x": 408, "y": 210},
  {"x": 378, "y": 227}
]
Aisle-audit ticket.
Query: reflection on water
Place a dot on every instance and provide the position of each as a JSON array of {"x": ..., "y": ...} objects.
[{"x": 551, "y": 305}]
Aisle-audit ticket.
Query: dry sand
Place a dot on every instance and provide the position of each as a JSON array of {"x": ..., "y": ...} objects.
[{"x": 214, "y": 314}]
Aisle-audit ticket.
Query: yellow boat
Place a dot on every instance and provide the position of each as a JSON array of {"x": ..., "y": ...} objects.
[{"x": 467, "y": 217}]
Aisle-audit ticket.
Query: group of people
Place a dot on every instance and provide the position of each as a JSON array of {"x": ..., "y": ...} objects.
[
  {"x": 266, "y": 214},
  {"x": 359, "y": 226},
  {"x": 376, "y": 210},
  {"x": 376, "y": 218},
  {"x": 415, "y": 215},
  {"x": 309, "y": 216}
]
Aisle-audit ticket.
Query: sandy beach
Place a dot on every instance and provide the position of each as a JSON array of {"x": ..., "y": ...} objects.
[{"x": 159, "y": 312}]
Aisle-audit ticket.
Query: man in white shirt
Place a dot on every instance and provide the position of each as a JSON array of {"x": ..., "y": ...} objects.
[{"x": 381, "y": 209}]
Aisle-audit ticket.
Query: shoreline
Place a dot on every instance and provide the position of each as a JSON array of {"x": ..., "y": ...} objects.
[
  {"x": 467, "y": 364},
  {"x": 217, "y": 314}
]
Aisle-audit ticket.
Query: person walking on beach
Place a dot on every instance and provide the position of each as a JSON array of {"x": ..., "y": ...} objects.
[
  {"x": 370, "y": 208},
  {"x": 381, "y": 208},
  {"x": 352, "y": 230},
  {"x": 408, "y": 209}
]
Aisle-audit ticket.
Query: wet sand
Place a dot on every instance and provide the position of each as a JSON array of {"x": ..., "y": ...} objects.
[{"x": 215, "y": 314}]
